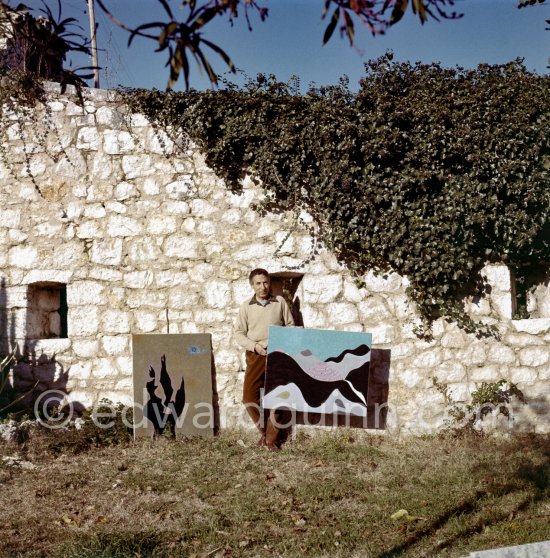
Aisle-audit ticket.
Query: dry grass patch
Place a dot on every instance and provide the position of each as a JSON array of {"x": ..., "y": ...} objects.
[{"x": 328, "y": 495}]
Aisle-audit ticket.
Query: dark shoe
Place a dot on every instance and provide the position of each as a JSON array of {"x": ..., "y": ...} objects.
[{"x": 261, "y": 442}]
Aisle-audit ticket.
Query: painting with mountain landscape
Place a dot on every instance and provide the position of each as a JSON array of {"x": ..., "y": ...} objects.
[{"x": 317, "y": 371}]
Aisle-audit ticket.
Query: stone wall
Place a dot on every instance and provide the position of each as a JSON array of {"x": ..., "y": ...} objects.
[{"x": 137, "y": 235}]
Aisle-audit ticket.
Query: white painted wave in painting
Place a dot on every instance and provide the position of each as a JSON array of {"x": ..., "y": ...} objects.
[
  {"x": 329, "y": 371},
  {"x": 289, "y": 396}
]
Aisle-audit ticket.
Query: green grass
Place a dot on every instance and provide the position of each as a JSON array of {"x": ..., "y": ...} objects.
[{"x": 331, "y": 494}]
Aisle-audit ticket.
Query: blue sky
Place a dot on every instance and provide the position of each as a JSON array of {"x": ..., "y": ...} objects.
[{"x": 290, "y": 41}]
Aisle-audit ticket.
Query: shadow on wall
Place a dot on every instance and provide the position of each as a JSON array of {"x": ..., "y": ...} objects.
[
  {"x": 36, "y": 376},
  {"x": 539, "y": 409}
]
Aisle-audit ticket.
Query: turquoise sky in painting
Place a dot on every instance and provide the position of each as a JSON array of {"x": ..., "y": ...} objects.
[{"x": 322, "y": 343}]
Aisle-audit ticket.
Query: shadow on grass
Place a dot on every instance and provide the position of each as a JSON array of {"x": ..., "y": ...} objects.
[{"x": 528, "y": 475}]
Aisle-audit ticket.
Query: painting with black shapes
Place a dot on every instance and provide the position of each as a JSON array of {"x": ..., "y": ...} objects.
[
  {"x": 172, "y": 385},
  {"x": 317, "y": 371}
]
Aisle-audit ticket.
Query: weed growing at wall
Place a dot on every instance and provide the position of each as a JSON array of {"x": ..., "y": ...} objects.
[{"x": 426, "y": 171}]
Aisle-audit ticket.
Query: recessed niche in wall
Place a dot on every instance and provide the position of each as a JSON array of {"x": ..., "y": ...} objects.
[
  {"x": 46, "y": 311},
  {"x": 286, "y": 283},
  {"x": 530, "y": 291}
]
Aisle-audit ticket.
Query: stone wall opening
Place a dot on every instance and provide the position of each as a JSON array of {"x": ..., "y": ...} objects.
[
  {"x": 530, "y": 291},
  {"x": 47, "y": 311},
  {"x": 285, "y": 284}
]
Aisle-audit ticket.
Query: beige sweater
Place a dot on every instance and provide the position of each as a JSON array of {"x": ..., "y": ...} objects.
[{"x": 254, "y": 320}]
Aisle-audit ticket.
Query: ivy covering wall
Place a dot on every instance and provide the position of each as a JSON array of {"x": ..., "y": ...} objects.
[{"x": 427, "y": 171}]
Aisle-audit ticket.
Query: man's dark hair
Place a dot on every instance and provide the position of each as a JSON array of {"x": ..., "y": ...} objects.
[{"x": 257, "y": 271}]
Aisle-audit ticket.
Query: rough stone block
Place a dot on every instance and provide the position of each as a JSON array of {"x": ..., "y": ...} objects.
[
  {"x": 125, "y": 190},
  {"x": 500, "y": 354},
  {"x": 10, "y": 218},
  {"x": 450, "y": 371},
  {"x": 170, "y": 278},
  {"x": 374, "y": 309},
  {"x": 120, "y": 225},
  {"x": 48, "y": 230},
  {"x": 152, "y": 299},
  {"x": 410, "y": 377},
  {"x": 105, "y": 274},
  {"x": 138, "y": 279},
  {"x": 484, "y": 373},
  {"x": 217, "y": 293},
  {"x": 24, "y": 257},
  {"x": 428, "y": 359},
  {"x": 502, "y": 303},
  {"x": 233, "y": 216},
  {"x": 125, "y": 365},
  {"x": 107, "y": 252},
  {"x": 99, "y": 191},
  {"x": 341, "y": 313},
  {"x": 72, "y": 165},
  {"x": 498, "y": 276},
  {"x": 158, "y": 141},
  {"x": 80, "y": 370},
  {"x": 454, "y": 340},
  {"x": 86, "y": 348},
  {"x": 523, "y": 375},
  {"x": 351, "y": 292},
  {"x": 83, "y": 321},
  {"x": 208, "y": 316},
  {"x": 114, "y": 345},
  {"x": 115, "y": 322},
  {"x": 532, "y": 550},
  {"x": 85, "y": 292},
  {"x": 312, "y": 316},
  {"x": 47, "y": 276},
  {"x": 322, "y": 288},
  {"x": 534, "y": 326},
  {"x": 386, "y": 283},
  {"x": 88, "y": 139},
  {"x": 137, "y": 166},
  {"x": 16, "y": 236},
  {"x": 175, "y": 208},
  {"x": 144, "y": 250},
  {"x": 161, "y": 225},
  {"x": 48, "y": 346},
  {"x": 151, "y": 186},
  {"x": 522, "y": 340},
  {"x": 534, "y": 356},
  {"x": 101, "y": 166},
  {"x": 107, "y": 116},
  {"x": 146, "y": 321},
  {"x": 116, "y": 142},
  {"x": 104, "y": 368},
  {"x": 381, "y": 334},
  {"x": 180, "y": 189},
  {"x": 241, "y": 199},
  {"x": 183, "y": 247}
]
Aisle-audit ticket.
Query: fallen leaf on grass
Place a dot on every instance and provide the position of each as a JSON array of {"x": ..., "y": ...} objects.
[
  {"x": 399, "y": 514},
  {"x": 70, "y": 521},
  {"x": 404, "y": 514}
]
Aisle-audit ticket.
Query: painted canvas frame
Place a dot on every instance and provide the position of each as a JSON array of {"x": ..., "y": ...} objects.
[
  {"x": 172, "y": 376},
  {"x": 317, "y": 371}
]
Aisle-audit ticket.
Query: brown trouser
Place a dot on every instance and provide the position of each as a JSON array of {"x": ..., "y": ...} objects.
[{"x": 254, "y": 380}]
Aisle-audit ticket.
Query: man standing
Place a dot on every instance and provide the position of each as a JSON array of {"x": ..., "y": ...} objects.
[{"x": 251, "y": 330}]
